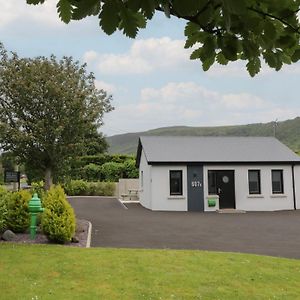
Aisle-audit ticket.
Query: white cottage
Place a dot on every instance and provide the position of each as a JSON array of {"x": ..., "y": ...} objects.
[{"x": 210, "y": 173}]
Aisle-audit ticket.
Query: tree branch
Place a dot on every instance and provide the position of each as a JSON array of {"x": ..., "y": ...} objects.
[{"x": 276, "y": 18}]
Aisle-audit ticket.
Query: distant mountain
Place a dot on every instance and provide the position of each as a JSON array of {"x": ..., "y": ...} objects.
[{"x": 287, "y": 132}]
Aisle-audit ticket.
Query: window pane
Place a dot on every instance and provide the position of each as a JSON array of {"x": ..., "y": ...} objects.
[
  {"x": 212, "y": 187},
  {"x": 176, "y": 182},
  {"x": 277, "y": 181},
  {"x": 254, "y": 181}
]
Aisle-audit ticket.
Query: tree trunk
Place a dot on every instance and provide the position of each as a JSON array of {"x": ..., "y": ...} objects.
[{"x": 48, "y": 179}]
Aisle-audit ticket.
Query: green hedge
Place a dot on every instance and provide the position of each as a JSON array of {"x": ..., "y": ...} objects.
[{"x": 84, "y": 188}]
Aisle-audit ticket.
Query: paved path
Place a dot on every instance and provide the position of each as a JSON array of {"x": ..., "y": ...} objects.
[{"x": 270, "y": 233}]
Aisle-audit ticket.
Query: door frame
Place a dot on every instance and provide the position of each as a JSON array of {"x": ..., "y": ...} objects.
[{"x": 233, "y": 183}]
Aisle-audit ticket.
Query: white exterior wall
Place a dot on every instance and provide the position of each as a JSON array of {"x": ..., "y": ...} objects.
[
  {"x": 266, "y": 201},
  {"x": 161, "y": 199},
  {"x": 145, "y": 182},
  {"x": 297, "y": 185}
]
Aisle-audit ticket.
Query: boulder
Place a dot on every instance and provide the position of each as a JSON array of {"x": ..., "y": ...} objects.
[
  {"x": 75, "y": 239},
  {"x": 8, "y": 235}
]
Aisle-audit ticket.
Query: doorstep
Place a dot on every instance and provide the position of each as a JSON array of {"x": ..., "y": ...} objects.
[{"x": 231, "y": 211}]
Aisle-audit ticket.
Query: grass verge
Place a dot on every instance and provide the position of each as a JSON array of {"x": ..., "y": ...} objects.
[{"x": 57, "y": 272}]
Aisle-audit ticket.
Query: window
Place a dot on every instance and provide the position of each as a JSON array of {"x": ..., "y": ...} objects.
[
  {"x": 254, "y": 181},
  {"x": 176, "y": 182},
  {"x": 212, "y": 182},
  {"x": 277, "y": 181}
]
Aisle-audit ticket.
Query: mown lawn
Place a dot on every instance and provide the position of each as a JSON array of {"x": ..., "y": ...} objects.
[{"x": 57, "y": 272}]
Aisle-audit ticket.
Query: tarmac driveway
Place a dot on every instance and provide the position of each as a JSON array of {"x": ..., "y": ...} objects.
[{"x": 269, "y": 233}]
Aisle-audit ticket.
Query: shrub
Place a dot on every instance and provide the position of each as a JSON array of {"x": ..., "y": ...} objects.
[
  {"x": 84, "y": 188},
  {"x": 131, "y": 171},
  {"x": 75, "y": 187},
  {"x": 38, "y": 187},
  {"x": 100, "y": 188},
  {"x": 92, "y": 172},
  {"x": 112, "y": 171},
  {"x": 58, "y": 220},
  {"x": 18, "y": 218},
  {"x": 3, "y": 208}
]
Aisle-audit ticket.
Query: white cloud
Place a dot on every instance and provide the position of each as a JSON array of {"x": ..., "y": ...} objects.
[
  {"x": 187, "y": 103},
  {"x": 16, "y": 10},
  {"x": 109, "y": 88},
  {"x": 90, "y": 56},
  {"x": 243, "y": 101},
  {"x": 144, "y": 56}
]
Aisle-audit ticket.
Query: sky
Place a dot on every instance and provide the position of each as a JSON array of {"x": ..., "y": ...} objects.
[{"x": 151, "y": 78}]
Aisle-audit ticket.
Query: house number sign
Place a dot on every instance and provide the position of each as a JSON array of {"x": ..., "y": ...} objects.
[{"x": 196, "y": 184}]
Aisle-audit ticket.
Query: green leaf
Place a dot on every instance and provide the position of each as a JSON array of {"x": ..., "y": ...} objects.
[
  {"x": 286, "y": 41},
  {"x": 208, "y": 48},
  {"x": 270, "y": 59},
  {"x": 148, "y": 8},
  {"x": 296, "y": 56},
  {"x": 166, "y": 8},
  {"x": 192, "y": 40},
  {"x": 253, "y": 66},
  {"x": 237, "y": 7},
  {"x": 208, "y": 63},
  {"x": 196, "y": 53},
  {"x": 191, "y": 28},
  {"x": 270, "y": 30},
  {"x": 206, "y": 16},
  {"x": 250, "y": 48},
  {"x": 129, "y": 22},
  {"x": 188, "y": 7},
  {"x": 64, "y": 9},
  {"x": 109, "y": 16},
  {"x": 134, "y": 4},
  {"x": 230, "y": 47},
  {"x": 85, "y": 8},
  {"x": 221, "y": 59}
]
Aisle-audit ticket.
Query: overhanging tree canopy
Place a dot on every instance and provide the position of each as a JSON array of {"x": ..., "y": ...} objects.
[
  {"x": 48, "y": 109},
  {"x": 219, "y": 30}
]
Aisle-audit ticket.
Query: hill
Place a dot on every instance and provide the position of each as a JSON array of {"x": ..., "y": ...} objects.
[{"x": 287, "y": 132}]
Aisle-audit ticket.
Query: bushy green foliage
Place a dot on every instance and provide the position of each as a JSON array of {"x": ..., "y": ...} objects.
[
  {"x": 103, "y": 167},
  {"x": 4, "y": 194},
  {"x": 84, "y": 188},
  {"x": 100, "y": 188},
  {"x": 92, "y": 172},
  {"x": 131, "y": 171},
  {"x": 58, "y": 220},
  {"x": 75, "y": 187},
  {"x": 18, "y": 218},
  {"x": 38, "y": 187},
  {"x": 112, "y": 171}
]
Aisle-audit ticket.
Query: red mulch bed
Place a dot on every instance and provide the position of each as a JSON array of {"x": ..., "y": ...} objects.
[{"x": 81, "y": 235}]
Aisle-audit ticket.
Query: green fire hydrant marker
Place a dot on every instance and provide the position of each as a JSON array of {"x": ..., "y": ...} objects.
[{"x": 35, "y": 207}]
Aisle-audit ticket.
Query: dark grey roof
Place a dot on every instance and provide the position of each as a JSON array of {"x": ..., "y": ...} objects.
[{"x": 160, "y": 149}]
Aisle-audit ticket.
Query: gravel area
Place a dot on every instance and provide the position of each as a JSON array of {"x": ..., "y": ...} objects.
[{"x": 81, "y": 235}]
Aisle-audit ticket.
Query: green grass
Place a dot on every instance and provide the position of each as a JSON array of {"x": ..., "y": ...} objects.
[{"x": 57, "y": 272}]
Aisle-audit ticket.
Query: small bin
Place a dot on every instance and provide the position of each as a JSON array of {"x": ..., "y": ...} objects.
[{"x": 211, "y": 202}]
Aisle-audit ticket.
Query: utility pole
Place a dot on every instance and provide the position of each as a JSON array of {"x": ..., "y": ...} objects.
[{"x": 275, "y": 125}]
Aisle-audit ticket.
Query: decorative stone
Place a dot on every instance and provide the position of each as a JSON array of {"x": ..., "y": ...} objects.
[
  {"x": 8, "y": 235},
  {"x": 75, "y": 239}
]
